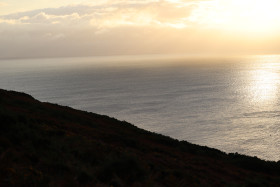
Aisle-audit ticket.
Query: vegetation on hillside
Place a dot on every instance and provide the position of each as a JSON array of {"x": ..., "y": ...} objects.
[{"x": 43, "y": 144}]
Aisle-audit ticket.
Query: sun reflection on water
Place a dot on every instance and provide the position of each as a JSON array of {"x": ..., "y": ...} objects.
[{"x": 264, "y": 83}]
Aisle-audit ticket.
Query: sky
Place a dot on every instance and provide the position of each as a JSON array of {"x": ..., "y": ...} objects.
[{"x": 66, "y": 28}]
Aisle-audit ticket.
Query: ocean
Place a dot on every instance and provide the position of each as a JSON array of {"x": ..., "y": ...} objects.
[{"x": 232, "y": 104}]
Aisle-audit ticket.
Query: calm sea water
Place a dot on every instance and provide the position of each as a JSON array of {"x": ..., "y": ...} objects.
[{"x": 229, "y": 104}]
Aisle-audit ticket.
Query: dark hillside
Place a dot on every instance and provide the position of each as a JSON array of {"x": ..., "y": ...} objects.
[{"x": 43, "y": 144}]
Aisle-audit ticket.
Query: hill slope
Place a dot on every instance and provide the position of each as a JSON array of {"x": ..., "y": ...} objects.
[{"x": 43, "y": 144}]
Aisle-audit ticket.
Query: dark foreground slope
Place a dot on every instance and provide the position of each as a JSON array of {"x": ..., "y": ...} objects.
[{"x": 43, "y": 144}]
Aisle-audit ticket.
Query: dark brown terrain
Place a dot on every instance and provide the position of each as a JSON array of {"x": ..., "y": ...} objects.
[{"x": 43, "y": 144}]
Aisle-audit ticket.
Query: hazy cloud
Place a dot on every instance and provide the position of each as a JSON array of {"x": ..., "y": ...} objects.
[
  {"x": 3, "y": 4},
  {"x": 114, "y": 28},
  {"x": 112, "y": 14}
]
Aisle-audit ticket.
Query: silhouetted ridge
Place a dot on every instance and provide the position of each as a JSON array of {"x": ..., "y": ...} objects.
[{"x": 43, "y": 144}]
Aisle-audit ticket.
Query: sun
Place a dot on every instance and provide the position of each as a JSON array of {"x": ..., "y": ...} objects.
[
  {"x": 242, "y": 15},
  {"x": 256, "y": 14}
]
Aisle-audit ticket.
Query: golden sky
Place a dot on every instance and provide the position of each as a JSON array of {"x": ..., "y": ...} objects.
[{"x": 51, "y": 28}]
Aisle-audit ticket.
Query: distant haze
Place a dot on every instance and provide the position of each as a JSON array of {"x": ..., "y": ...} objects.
[{"x": 34, "y": 29}]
